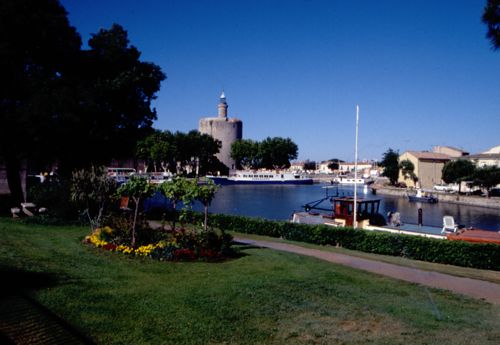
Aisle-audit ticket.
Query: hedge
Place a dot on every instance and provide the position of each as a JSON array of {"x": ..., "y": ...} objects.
[{"x": 459, "y": 253}]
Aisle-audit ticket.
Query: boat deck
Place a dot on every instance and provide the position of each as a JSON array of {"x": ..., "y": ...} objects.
[
  {"x": 410, "y": 229},
  {"x": 475, "y": 235}
]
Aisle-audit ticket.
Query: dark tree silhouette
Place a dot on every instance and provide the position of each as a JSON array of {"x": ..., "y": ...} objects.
[
  {"x": 37, "y": 48},
  {"x": 457, "y": 171},
  {"x": 491, "y": 17},
  {"x": 390, "y": 164}
]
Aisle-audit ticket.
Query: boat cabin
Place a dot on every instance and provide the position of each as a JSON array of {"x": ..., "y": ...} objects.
[{"x": 343, "y": 208}]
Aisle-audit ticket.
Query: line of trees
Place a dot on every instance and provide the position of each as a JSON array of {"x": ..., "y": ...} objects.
[
  {"x": 59, "y": 102},
  {"x": 462, "y": 170},
  {"x": 271, "y": 153},
  {"x": 180, "y": 153}
]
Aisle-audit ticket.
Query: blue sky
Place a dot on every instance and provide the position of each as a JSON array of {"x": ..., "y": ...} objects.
[{"x": 422, "y": 72}]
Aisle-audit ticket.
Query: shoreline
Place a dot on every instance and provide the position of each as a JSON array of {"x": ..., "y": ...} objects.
[{"x": 468, "y": 200}]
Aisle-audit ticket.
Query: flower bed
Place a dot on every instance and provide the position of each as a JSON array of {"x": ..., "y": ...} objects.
[{"x": 181, "y": 245}]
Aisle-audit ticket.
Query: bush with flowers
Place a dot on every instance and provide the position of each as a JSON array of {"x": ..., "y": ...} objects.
[{"x": 179, "y": 245}]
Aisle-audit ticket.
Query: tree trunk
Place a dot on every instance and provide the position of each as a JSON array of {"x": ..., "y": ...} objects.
[
  {"x": 174, "y": 204},
  {"x": 13, "y": 169},
  {"x": 136, "y": 201},
  {"x": 206, "y": 217}
]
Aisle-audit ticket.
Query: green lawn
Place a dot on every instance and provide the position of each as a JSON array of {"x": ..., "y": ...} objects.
[
  {"x": 487, "y": 275},
  {"x": 264, "y": 297}
]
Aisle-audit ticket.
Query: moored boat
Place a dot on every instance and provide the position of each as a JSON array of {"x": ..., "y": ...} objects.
[
  {"x": 422, "y": 196},
  {"x": 262, "y": 177},
  {"x": 349, "y": 180}
]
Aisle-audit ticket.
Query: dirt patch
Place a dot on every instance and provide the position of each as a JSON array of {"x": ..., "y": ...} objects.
[{"x": 312, "y": 328}]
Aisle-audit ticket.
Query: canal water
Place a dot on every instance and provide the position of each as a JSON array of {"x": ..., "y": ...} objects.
[{"x": 279, "y": 202}]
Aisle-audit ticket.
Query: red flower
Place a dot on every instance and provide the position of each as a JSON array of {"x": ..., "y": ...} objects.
[{"x": 109, "y": 246}]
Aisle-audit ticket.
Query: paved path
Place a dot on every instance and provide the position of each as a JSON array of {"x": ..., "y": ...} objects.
[
  {"x": 480, "y": 289},
  {"x": 22, "y": 321}
]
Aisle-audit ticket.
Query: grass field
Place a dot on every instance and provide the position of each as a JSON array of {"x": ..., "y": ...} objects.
[{"x": 263, "y": 297}]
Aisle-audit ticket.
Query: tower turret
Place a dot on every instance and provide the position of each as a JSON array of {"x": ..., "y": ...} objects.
[
  {"x": 226, "y": 130},
  {"x": 222, "y": 107}
]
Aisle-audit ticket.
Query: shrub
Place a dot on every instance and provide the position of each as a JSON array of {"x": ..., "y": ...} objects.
[{"x": 477, "y": 255}]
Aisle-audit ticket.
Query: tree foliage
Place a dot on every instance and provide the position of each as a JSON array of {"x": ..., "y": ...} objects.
[
  {"x": 180, "y": 152},
  {"x": 205, "y": 194},
  {"x": 92, "y": 190},
  {"x": 486, "y": 177},
  {"x": 136, "y": 188},
  {"x": 457, "y": 171},
  {"x": 271, "y": 153},
  {"x": 408, "y": 170},
  {"x": 491, "y": 17},
  {"x": 37, "y": 47},
  {"x": 110, "y": 107},
  {"x": 246, "y": 154},
  {"x": 390, "y": 164},
  {"x": 309, "y": 165},
  {"x": 60, "y": 102},
  {"x": 179, "y": 190},
  {"x": 278, "y": 152},
  {"x": 334, "y": 163}
]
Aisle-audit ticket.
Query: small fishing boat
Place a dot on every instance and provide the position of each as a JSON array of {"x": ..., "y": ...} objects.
[{"x": 422, "y": 196}]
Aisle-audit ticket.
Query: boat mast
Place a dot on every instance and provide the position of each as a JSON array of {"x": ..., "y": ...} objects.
[{"x": 355, "y": 206}]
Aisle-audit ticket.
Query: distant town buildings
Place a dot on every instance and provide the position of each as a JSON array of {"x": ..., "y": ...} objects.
[{"x": 226, "y": 130}]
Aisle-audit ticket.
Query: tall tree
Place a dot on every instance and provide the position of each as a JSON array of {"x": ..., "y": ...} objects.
[
  {"x": 246, "y": 154},
  {"x": 277, "y": 152},
  {"x": 390, "y": 164},
  {"x": 491, "y": 17},
  {"x": 37, "y": 48},
  {"x": 158, "y": 150},
  {"x": 112, "y": 91},
  {"x": 487, "y": 177},
  {"x": 457, "y": 171}
]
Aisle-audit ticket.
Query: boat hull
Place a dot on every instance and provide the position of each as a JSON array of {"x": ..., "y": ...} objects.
[{"x": 422, "y": 199}]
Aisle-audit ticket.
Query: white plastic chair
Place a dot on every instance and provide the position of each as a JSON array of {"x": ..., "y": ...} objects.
[{"x": 449, "y": 224}]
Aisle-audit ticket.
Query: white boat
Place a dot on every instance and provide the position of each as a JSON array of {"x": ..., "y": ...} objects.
[
  {"x": 422, "y": 196},
  {"x": 348, "y": 180},
  {"x": 261, "y": 177},
  {"x": 156, "y": 177}
]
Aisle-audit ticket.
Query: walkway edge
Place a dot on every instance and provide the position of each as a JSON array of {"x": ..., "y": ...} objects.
[{"x": 478, "y": 289}]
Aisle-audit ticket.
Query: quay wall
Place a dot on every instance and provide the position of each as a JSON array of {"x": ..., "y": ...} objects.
[{"x": 469, "y": 200}]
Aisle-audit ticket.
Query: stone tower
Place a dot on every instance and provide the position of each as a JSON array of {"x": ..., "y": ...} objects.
[{"x": 225, "y": 129}]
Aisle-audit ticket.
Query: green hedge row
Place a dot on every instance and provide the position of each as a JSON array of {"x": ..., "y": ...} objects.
[{"x": 459, "y": 253}]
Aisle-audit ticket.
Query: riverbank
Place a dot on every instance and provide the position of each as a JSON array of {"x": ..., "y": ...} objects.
[{"x": 468, "y": 200}]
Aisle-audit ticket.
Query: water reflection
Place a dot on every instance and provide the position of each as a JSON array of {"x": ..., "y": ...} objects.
[{"x": 279, "y": 202}]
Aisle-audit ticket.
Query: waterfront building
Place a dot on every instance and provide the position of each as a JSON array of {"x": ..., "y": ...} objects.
[
  {"x": 324, "y": 169},
  {"x": 490, "y": 157},
  {"x": 347, "y": 167},
  {"x": 428, "y": 167},
  {"x": 226, "y": 130},
  {"x": 296, "y": 166}
]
